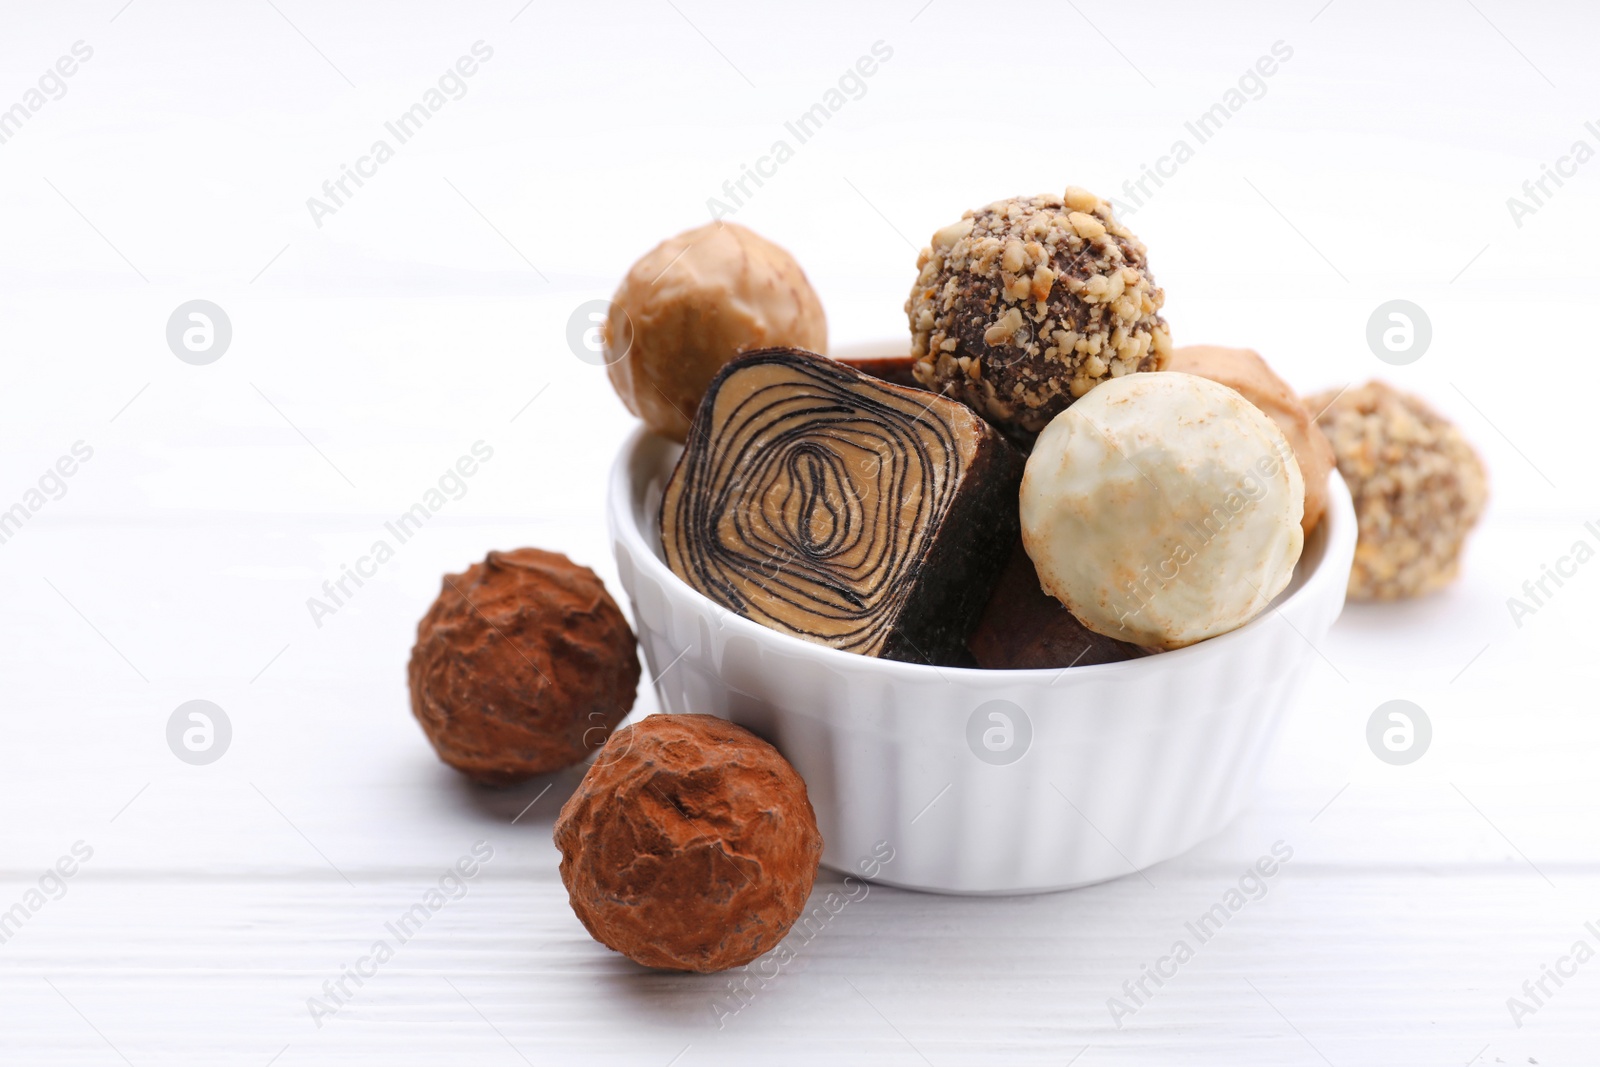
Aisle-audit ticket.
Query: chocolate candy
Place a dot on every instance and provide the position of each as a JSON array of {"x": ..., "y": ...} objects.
[
  {"x": 690, "y": 844},
  {"x": 1025, "y": 628},
  {"x": 694, "y": 302},
  {"x": 899, "y": 370},
  {"x": 1244, "y": 370},
  {"x": 1025, "y": 305},
  {"x": 1417, "y": 484},
  {"x": 523, "y": 665},
  {"x": 841, "y": 509},
  {"x": 1163, "y": 509}
]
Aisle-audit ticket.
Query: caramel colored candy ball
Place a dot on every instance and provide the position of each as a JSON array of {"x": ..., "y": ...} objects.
[
  {"x": 1417, "y": 484},
  {"x": 690, "y": 845},
  {"x": 1244, "y": 370},
  {"x": 692, "y": 304},
  {"x": 523, "y": 665}
]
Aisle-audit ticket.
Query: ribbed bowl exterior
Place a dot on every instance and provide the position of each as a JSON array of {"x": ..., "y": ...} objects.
[{"x": 1087, "y": 774}]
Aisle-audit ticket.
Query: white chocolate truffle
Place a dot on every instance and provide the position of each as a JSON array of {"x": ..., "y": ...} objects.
[
  {"x": 1244, "y": 369},
  {"x": 690, "y": 305},
  {"x": 1163, "y": 509}
]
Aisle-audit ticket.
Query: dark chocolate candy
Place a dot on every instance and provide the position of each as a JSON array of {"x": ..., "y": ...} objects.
[
  {"x": 1025, "y": 628},
  {"x": 895, "y": 369}
]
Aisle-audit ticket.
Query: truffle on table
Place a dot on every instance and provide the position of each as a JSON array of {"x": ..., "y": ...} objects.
[
  {"x": 1417, "y": 484},
  {"x": 690, "y": 305},
  {"x": 1244, "y": 370},
  {"x": 690, "y": 844},
  {"x": 1025, "y": 628},
  {"x": 844, "y": 510},
  {"x": 523, "y": 665},
  {"x": 1023, "y": 306}
]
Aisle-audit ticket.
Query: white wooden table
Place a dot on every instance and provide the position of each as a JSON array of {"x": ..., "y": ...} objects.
[{"x": 431, "y": 311}]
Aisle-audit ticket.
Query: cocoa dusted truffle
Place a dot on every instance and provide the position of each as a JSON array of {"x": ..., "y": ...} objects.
[
  {"x": 1243, "y": 370},
  {"x": 841, "y": 509},
  {"x": 690, "y": 844},
  {"x": 1027, "y": 304},
  {"x": 694, "y": 302},
  {"x": 1417, "y": 484},
  {"x": 523, "y": 665}
]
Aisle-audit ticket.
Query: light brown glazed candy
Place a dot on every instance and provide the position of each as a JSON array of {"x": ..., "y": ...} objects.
[{"x": 690, "y": 305}]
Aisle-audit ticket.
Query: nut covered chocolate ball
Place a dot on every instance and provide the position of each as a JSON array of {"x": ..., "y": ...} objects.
[
  {"x": 690, "y": 844},
  {"x": 693, "y": 303},
  {"x": 1417, "y": 484},
  {"x": 1023, "y": 306},
  {"x": 523, "y": 665}
]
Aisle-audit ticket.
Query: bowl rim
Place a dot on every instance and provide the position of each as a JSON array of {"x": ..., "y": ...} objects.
[{"x": 1338, "y": 527}]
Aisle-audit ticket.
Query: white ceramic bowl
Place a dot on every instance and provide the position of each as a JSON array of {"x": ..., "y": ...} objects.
[{"x": 1086, "y": 774}]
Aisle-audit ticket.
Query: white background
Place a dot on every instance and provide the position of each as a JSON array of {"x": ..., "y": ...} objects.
[{"x": 430, "y": 312}]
